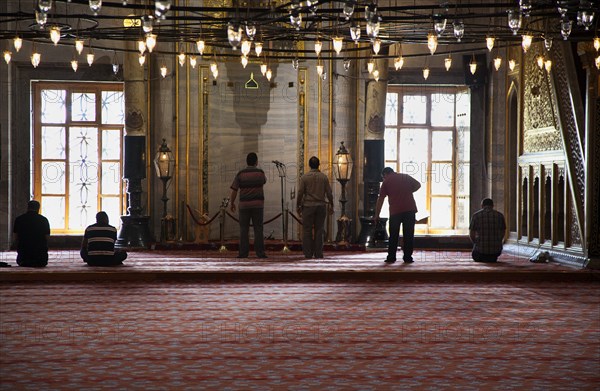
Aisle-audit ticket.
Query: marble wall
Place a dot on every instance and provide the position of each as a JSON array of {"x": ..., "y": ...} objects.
[{"x": 212, "y": 124}]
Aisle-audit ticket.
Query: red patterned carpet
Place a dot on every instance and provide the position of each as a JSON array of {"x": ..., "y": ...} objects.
[
  {"x": 299, "y": 336},
  {"x": 73, "y": 327},
  {"x": 442, "y": 265}
]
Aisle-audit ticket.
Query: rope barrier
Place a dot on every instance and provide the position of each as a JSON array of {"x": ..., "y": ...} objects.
[
  {"x": 295, "y": 217},
  {"x": 223, "y": 211},
  {"x": 199, "y": 222},
  {"x": 273, "y": 219}
]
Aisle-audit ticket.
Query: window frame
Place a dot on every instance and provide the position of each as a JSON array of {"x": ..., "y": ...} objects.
[
  {"x": 36, "y": 149},
  {"x": 401, "y": 91}
]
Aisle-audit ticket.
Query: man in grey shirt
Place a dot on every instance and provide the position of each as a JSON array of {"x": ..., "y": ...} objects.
[{"x": 314, "y": 194}]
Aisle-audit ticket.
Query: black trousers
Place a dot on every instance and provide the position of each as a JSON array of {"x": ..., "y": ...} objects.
[
  {"x": 481, "y": 257},
  {"x": 32, "y": 259},
  {"x": 407, "y": 219}
]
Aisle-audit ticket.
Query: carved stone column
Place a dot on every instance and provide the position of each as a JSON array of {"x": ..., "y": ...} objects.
[{"x": 135, "y": 232}]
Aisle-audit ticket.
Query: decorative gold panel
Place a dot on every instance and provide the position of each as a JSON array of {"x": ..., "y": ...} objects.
[{"x": 539, "y": 115}]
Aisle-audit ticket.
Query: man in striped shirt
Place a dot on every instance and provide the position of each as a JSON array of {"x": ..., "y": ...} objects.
[
  {"x": 98, "y": 246},
  {"x": 249, "y": 183},
  {"x": 487, "y": 230}
]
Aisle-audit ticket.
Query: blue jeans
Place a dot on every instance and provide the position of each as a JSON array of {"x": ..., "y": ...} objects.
[
  {"x": 407, "y": 219},
  {"x": 256, "y": 216}
]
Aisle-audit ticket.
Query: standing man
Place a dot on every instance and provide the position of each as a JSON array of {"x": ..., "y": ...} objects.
[
  {"x": 487, "y": 230},
  {"x": 313, "y": 188},
  {"x": 98, "y": 245},
  {"x": 31, "y": 232},
  {"x": 399, "y": 188},
  {"x": 249, "y": 182}
]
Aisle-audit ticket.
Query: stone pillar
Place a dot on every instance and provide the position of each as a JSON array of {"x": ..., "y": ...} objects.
[
  {"x": 371, "y": 234},
  {"x": 135, "y": 231},
  {"x": 375, "y": 104}
]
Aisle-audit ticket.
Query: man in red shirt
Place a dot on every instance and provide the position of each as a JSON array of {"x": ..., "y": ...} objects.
[{"x": 403, "y": 208}]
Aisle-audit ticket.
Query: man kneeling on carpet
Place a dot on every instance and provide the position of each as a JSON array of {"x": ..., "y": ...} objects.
[
  {"x": 487, "y": 230},
  {"x": 98, "y": 245}
]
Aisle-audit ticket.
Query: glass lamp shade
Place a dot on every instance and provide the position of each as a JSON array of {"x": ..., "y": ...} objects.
[
  {"x": 200, "y": 45},
  {"x": 432, "y": 43},
  {"x": 473, "y": 66},
  {"x": 234, "y": 34},
  {"x": 448, "y": 63},
  {"x": 514, "y": 21},
  {"x": 79, "y": 45},
  {"x": 258, "y": 47},
  {"x": 55, "y": 35},
  {"x": 489, "y": 42},
  {"x": 459, "y": 29},
  {"x": 497, "y": 63},
  {"x": 343, "y": 164},
  {"x": 18, "y": 43},
  {"x": 164, "y": 161},
  {"x": 355, "y": 33},
  {"x": 246, "y": 47},
  {"x": 439, "y": 24},
  {"x": 338, "y": 44},
  {"x": 398, "y": 62},
  {"x": 527, "y": 39}
]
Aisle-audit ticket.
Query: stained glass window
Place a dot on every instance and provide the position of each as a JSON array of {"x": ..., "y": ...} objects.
[
  {"x": 53, "y": 142},
  {"x": 391, "y": 109},
  {"x": 414, "y": 109},
  {"x": 441, "y": 145},
  {"x": 111, "y": 138},
  {"x": 442, "y": 109},
  {"x": 53, "y": 110},
  {"x": 83, "y": 107},
  {"x": 77, "y": 157},
  {"x": 391, "y": 144},
  {"x": 113, "y": 107}
]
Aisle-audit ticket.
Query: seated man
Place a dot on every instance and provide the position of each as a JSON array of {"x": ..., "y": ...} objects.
[
  {"x": 487, "y": 230},
  {"x": 30, "y": 232},
  {"x": 98, "y": 246}
]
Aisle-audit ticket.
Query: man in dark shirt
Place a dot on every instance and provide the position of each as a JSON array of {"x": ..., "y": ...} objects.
[
  {"x": 249, "y": 182},
  {"x": 487, "y": 230},
  {"x": 98, "y": 245},
  {"x": 31, "y": 231}
]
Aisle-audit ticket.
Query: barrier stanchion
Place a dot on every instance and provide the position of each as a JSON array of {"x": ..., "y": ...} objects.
[
  {"x": 286, "y": 249},
  {"x": 224, "y": 205}
]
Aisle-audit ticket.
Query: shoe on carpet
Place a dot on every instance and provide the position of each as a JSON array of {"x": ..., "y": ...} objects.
[
  {"x": 387, "y": 260},
  {"x": 408, "y": 261},
  {"x": 262, "y": 256},
  {"x": 242, "y": 256}
]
